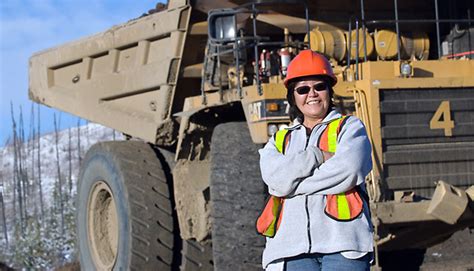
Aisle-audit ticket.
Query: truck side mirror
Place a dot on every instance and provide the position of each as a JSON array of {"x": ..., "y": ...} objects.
[{"x": 222, "y": 25}]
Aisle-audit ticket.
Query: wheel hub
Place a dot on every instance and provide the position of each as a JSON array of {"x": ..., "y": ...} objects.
[{"x": 102, "y": 226}]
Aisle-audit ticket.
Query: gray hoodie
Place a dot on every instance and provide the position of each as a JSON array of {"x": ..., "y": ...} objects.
[{"x": 300, "y": 176}]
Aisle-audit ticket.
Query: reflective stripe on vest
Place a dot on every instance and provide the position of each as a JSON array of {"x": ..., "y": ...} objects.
[
  {"x": 344, "y": 206},
  {"x": 328, "y": 139},
  {"x": 269, "y": 220},
  {"x": 281, "y": 140}
]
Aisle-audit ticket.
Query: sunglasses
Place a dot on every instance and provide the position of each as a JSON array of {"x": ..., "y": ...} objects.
[{"x": 303, "y": 90}]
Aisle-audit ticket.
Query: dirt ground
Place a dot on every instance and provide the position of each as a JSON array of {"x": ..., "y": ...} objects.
[{"x": 455, "y": 254}]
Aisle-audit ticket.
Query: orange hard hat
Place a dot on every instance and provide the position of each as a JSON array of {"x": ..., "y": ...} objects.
[{"x": 309, "y": 63}]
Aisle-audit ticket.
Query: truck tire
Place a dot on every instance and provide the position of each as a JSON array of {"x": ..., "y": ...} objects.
[
  {"x": 237, "y": 194},
  {"x": 124, "y": 211},
  {"x": 196, "y": 256}
]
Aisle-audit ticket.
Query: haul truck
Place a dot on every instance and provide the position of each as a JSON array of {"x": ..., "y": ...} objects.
[{"x": 197, "y": 89}]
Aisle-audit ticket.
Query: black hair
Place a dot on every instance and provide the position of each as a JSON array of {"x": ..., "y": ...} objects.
[{"x": 294, "y": 111}]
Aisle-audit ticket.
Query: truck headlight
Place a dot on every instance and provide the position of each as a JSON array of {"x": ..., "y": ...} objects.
[{"x": 406, "y": 69}]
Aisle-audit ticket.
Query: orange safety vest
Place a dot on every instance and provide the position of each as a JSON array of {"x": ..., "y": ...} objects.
[
  {"x": 342, "y": 207},
  {"x": 348, "y": 205},
  {"x": 269, "y": 219}
]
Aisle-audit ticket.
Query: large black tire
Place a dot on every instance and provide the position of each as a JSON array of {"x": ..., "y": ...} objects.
[
  {"x": 124, "y": 211},
  {"x": 196, "y": 256},
  {"x": 237, "y": 194}
]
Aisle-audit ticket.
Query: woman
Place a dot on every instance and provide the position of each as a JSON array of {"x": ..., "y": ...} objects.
[{"x": 308, "y": 237}]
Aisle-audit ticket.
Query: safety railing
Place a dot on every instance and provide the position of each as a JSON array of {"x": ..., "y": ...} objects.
[
  {"x": 361, "y": 108},
  {"x": 254, "y": 42},
  {"x": 362, "y": 23}
]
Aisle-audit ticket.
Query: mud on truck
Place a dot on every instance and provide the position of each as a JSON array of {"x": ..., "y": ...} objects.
[{"x": 197, "y": 89}]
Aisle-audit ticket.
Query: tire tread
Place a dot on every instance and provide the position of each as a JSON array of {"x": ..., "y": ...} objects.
[
  {"x": 148, "y": 196},
  {"x": 236, "y": 192}
]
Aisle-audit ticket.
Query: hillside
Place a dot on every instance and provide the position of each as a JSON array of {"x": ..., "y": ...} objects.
[{"x": 39, "y": 233}]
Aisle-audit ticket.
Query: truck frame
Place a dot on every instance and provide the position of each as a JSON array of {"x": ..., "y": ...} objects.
[{"x": 197, "y": 88}]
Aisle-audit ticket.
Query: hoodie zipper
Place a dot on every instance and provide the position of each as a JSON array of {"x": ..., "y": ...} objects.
[{"x": 308, "y": 225}]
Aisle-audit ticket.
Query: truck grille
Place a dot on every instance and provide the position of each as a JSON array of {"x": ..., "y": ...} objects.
[{"x": 415, "y": 157}]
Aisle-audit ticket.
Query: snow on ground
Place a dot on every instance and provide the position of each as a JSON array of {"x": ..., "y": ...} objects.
[
  {"x": 89, "y": 135},
  {"x": 72, "y": 142}
]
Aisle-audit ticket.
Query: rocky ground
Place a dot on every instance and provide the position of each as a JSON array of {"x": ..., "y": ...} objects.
[{"x": 455, "y": 254}]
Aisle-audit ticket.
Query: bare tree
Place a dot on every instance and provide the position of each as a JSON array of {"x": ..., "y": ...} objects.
[
  {"x": 79, "y": 154},
  {"x": 4, "y": 220},
  {"x": 40, "y": 185},
  {"x": 60, "y": 185},
  {"x": 16, "y": 174},
  {"x": 31, "y": 152},
  {"x": 22, "y": 165},
  {"x": 69, "y": 152}
]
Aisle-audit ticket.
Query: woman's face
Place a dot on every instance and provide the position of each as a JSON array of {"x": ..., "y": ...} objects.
[{"x": 312, "y": 99}]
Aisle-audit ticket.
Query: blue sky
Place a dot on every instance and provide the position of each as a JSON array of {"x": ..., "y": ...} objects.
[{"x": 29, "y": 26}]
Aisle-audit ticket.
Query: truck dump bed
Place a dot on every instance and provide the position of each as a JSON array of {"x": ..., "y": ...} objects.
[{"x": 123, "y": 78}]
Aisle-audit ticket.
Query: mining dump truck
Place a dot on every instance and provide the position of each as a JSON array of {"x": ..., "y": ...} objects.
[{"x": 197, "y": 88}]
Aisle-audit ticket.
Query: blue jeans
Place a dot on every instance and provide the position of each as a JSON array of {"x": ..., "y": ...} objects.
[{"x": 327, "y": 262}]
